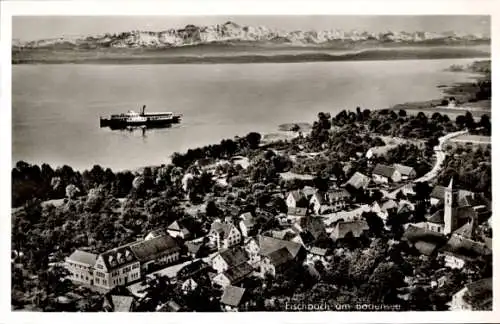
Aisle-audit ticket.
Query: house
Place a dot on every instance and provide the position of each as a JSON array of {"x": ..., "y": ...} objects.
[
  {"x": 224, "y": 235},
  {"x": 229, "y": 258},
  {"x": 252, "y": 249},
  {"x": 277, "y": 260},
  {"x": 177, "y": 230},
  {"x": 317, "y": 202},
  {"x": 313, "y": 229},
  {"x": 355, "y": 227},
  {"x": 427, "y": 242},
  {"x": 385, "y": 174},
  {"x": 460, "y": 250},
  {"x": 477, "y": 295},
  {"x": 156, "y": 252},
  {"x": 189, "y": 285},
  {"x": 193, "y": 248},
  {"x": 80, "y": 265},
  {"x": 296, "y": 198},
  {"x": 234, "y": 275},
  {"x": 232, "y": 298},
  {"x": 316, "y": 254},
  {"x": 358, "y": 181},
  {"x": 247, "y": 224},
  {"x": 405, "y": 171},
  {"x": 115, "y": 267},
  {"x": 116, "y": 303},
  {"x": 338, "y": 199},
  {"x": 269, "y": 244}
]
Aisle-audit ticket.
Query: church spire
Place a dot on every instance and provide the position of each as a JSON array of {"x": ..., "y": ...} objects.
[{"x": 450, "y": 185}]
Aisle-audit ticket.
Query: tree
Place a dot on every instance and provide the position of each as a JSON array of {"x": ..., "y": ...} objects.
[
  {"x": 402, "y": 113},
  {"x": 253, "y": 140},
  {"x": 375, "y": 223}
]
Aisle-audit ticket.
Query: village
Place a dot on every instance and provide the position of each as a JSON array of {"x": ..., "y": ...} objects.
[
  {"x": 365, "y": 210},
  {"x": 315, "y": 227}
]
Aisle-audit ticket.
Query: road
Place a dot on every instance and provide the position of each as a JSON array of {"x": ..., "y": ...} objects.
[{"x": 440, "y": 156}]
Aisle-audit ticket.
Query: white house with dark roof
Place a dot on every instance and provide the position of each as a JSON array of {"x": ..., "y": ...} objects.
[
  {"x": 406, "y": 172},
  {"x": 296, "y": 198},
  {"x": 81, "y": 264},
  {"x": 177, "y": 230},
  {"x": 234, "y": 275},
  {"x": 343, "y": 228},
  {"x": 115, "y": 267},
  {"x": 385, "y": 174},
  {"x": 224, "y": 235},
  {"x": 229, "y": 258}
]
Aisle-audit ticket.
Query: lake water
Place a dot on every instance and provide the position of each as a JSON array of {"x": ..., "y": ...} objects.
[{"x": 56, "y": 108}]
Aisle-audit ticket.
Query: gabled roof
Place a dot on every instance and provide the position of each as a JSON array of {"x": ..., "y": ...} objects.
[
  {"x": 480, "y": 289},
  {"x": 356, "y": 227},
  {"x": 466, "y": 231},
  {"x": 150, "y": 249},
  {"x": 224, "y": 229},
  {"x": 119, "y": 257},
  {"x": 459, "y": 213},
  {"x": 438, "y": 192},
  {"x": 239, "y": 272},
  {"x": 234, "y": 257},
  {"x": 122, "y": 303},
  {"x": 465, "y": 248},
  {"x": 384, "y": 170},
  {"x": 268, "y": 245},
  {"x": 415, "y": 234},
  {"x": 403, "y": 169},
  {"x": 313, "y": 225},
  {"x": 426, "y": 248},
  {"x": 280, "y": 256},
  {"x": 193, "y": 247},
  {"x": 83, "y": 257},
  {"x": 358, "y": 180},
  {"x": 232, "y": 296}
]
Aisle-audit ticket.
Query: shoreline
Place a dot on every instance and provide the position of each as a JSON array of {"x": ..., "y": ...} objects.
[{"x": 284, "y": 132}]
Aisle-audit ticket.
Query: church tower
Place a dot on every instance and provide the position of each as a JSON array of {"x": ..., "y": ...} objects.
[{"x": 449, "y": 220}]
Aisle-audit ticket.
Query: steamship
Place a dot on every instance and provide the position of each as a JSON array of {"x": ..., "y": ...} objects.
[{"x": 132, "y": 118}]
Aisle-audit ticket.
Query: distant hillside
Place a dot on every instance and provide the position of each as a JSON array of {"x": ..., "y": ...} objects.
[{"x": 233, "y": 42}]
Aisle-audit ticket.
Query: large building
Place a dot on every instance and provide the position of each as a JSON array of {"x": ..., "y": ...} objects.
[{"x": 124, "y": 264}]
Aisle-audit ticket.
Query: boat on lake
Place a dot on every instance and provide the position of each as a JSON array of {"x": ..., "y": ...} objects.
[{"x": 142, "y": 119}]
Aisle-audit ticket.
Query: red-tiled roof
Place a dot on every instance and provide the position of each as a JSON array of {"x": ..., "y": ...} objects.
[{"x": 234, "y": 257}]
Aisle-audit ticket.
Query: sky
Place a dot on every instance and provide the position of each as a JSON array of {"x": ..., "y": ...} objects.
[{"x": 37, "y": 27}]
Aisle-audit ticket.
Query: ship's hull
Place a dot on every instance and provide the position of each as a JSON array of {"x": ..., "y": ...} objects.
[{"x": 149, "y": 123}]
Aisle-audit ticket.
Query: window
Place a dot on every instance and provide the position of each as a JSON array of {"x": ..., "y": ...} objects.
[
  {"x": 99, "y": 266},
  {"x": 97, "y": 280}
]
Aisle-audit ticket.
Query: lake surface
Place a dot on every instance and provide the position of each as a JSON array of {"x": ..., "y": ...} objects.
[{"x": 56, "y": 108}]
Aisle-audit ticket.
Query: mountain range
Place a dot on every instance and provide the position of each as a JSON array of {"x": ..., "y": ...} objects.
[{"x": 231, "y": 33}]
